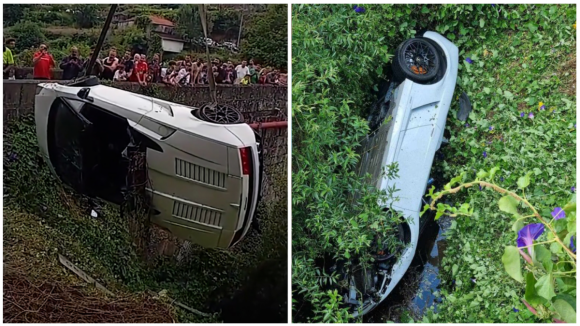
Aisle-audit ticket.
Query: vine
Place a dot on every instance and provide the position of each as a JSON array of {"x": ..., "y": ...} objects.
[{"x": 550, "y": 262}]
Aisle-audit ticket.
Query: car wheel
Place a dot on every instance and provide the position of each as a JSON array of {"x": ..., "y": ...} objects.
[
  {"x": 220, "y": 114},
  {"x": 417, "y": 60}
]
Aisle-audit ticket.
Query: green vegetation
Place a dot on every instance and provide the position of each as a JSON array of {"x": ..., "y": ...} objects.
[
  {"x": 521, "y": 55},
  {"x": 104, "y": 249},
  {"x": 264, "y": 30}
]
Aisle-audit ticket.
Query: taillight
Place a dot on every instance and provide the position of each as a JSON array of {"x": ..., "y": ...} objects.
[{"x": 245, "y": 155}]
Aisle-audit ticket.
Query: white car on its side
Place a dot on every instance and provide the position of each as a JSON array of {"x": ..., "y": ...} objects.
[
  {"x": 204, "y": 165},
  {"x": 409, "y": 132}
]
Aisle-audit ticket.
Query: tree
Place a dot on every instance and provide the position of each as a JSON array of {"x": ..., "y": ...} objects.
[
  {"x": 86, "y": 15},
  {"x": 266, "y": 37},
  {"x": 13, "y": 13},
  {"x": 189, "y": 24},
  {"x": 27, "y": 34}
]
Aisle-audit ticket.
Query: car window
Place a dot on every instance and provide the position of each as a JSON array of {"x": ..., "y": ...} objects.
[{"x": 65, "y": 130}]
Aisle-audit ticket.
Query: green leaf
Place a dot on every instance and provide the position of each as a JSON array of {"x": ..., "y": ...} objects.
[
  {"x": 524, "y": 181},
  {"x": 439, "y": 214},
  {"x": 454, "y": 269},
  {"x": 482, "y": 174},
  {"x": 481, "y": 23},
  {"x": 511, "y": 263},
  {"x": 555, "y": 248},
  {"x": 425, "y": 208},
  {"x": 354, "y": 223},
  {"x": 566, "y": 297},
  {"x": 531, "y": 295},
  {"x": 545, "y": 287},
  {"x": 508, "y": 204},
  {"x": 508, "y": 95},
  {"x": 544, "y": 256},
  {"x": 492, "y": 172},
  {"x": 518, "y": 225},
  {"x": 565, "y": 310},
  {"x": 424, "y": 10}
]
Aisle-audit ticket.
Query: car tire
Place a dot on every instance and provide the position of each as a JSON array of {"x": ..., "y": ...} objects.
[
  {"x": 416, "y": 59},
  {"x": 220, "y": 114}
]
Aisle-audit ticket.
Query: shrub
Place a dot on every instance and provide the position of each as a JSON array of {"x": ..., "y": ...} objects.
[
  {"x": 339, "y": 57},
  {"x": 266, "y": 37}
]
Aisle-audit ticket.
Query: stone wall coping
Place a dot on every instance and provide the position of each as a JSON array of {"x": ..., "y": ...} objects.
[{"x": 39, "y": 81}]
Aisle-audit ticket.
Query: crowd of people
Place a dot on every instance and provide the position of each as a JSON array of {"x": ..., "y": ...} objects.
[{"x": 136, "y": 68}]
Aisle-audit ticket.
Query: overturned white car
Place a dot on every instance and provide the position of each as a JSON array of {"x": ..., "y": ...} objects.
[
  {"x": 407, "y": 129},
  {"x": 204, "y": 165}
]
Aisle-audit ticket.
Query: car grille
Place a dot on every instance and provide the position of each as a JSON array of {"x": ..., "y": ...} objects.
[
  {"x": 200, "y": 174},
  {"x": 198, "y": 214}
]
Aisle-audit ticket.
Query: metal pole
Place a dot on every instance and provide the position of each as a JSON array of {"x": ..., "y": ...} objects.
[
  {"x": 240, "y": 32},
  {"x": 101, "y": 40}
]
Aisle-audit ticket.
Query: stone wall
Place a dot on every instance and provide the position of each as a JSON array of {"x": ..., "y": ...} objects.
[{"x": 258, "y": 103}]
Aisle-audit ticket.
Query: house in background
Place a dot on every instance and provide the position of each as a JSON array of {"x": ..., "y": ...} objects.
[{"x": 170, "y": 40}]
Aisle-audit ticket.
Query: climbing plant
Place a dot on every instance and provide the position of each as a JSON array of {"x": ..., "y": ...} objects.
[{"x": 545, "y": 243}]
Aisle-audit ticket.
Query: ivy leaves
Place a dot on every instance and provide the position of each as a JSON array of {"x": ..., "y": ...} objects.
[{"x": 511, "y": 262}]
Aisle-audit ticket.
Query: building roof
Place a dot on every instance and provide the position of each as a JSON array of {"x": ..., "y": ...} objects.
[
  {"x": 170, "y": 37},
  {"x": 156, "y": 20}
]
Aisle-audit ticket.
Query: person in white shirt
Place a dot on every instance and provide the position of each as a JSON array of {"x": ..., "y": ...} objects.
[
  {"x": 183, "y": 76},
  {"x": 241, "y": 71}
]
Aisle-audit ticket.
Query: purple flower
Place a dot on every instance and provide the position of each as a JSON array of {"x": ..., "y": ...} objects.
[
  {"x": 501, "y": 179},
  {"x": 358, "y": 9},
  {"x": 13, "y": 157},
  {"x": 531, "y": 115},
  {"x": 468, "y": 59},
  {"x": 494, "y": 7},
  {"x": 515, "y": 310},
  {"x": 480, "y": 188},
  {"x": 543, "y": 107},
  {"x": 572, "y": 245},
  {"x": 490, "y": 128},
  {"x": 573, "y": 189},
  {"x": 528, "y": 234},
  {"x": 522, "y": 115},
  {"x": 558, "y": 213},
  {"x": 474, "y": 280},
  {"x": 484, "y": 154},
  {"x": 467, "y": 125}
]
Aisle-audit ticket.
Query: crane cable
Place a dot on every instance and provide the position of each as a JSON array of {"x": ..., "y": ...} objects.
[{"x": 212, "y": 88}]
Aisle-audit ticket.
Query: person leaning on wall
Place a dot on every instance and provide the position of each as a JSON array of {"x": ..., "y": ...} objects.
[
  {"x": 8, "y": 59},
  {"x": 42, "y": 62}
]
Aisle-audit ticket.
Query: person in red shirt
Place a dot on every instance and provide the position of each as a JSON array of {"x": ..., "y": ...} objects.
[
  {"x": 42, "y": 62},
  {"x": 140, "y": 70}
]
